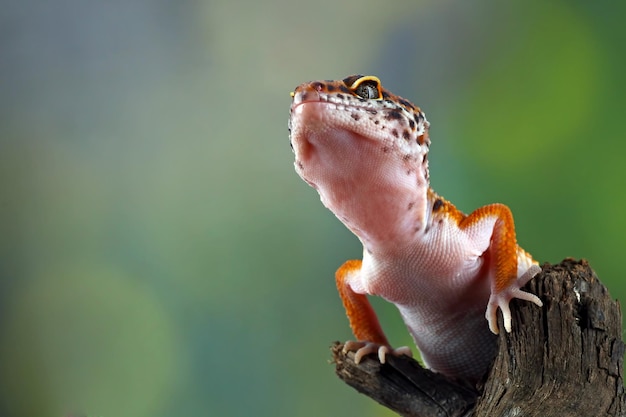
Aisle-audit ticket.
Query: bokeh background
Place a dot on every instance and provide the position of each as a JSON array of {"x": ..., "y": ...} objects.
[{"x": 158, "y": 254}]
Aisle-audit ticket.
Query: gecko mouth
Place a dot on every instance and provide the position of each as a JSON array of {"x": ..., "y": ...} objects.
[{"x": 340, "y": 101}]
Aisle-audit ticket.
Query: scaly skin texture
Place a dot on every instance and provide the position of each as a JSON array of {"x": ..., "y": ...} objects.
[{"x": 365, "y": 151}]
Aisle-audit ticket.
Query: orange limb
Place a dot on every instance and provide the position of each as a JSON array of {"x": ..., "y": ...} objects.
[
  {"x": 503, "y": 246},
  {"x": 363, "y": 319}
]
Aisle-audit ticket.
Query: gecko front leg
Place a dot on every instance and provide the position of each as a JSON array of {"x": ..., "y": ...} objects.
[
  {"x": 493, "y": 225},
  {"x": 363, "y": 319}
]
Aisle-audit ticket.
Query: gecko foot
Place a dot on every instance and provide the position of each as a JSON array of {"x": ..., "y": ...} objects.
[
  {"x": 502, "y": 299},
  {"x": 362, "y": 349}
]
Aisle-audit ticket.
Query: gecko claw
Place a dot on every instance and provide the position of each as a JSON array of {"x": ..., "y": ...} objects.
[
  {"x": 502, "y": 299},
  {"x": 362, "y": 349}
]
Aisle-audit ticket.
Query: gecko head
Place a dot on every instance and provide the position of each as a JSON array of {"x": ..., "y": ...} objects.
[{"x": 351, "y": 115}]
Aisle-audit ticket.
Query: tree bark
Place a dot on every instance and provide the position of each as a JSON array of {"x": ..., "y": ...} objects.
[{"x": 564, "y": 359}]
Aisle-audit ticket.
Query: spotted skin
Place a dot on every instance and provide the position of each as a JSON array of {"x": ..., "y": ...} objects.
[{"x": 364, "y": 149}]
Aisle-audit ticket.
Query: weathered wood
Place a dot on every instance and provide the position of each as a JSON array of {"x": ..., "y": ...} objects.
[{"x": 565, "y": 359}]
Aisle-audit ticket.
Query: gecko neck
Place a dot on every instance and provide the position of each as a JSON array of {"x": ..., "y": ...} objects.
[{"x": 390, "y": 221}]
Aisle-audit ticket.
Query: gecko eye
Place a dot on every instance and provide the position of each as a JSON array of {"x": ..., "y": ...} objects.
[{"x": 367, "y": 88}]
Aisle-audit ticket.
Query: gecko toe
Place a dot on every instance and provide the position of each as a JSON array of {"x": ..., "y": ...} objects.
[{"x": 362, "y": 349}]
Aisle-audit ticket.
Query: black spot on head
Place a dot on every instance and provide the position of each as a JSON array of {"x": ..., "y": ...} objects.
[
  {"x": 393, "y": 115},
  {"x": 385, "y": 95},
  {"x": 355, "y": 116},
  {"x": 340, "y": 96},
  {"x": 376, "y": 121},
  {"x": 416, "y": 116},
  {"x": 412, "y": 124},
  {"x": 406, "y": 103},
  {"x": 406, "y": 135},
  {"x": 348, "y": 81},
  {"x": 394, "y": 132},
  {"x": 331, "y": 87},
  {"x": 344, "y": 89},
  {"x": 438, "y": 204}
]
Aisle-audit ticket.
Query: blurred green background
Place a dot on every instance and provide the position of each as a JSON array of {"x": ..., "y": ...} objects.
[{"x": 159, "y": 255}]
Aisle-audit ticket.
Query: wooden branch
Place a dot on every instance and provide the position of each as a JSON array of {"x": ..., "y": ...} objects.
[{"x": 565, "y": 359}]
